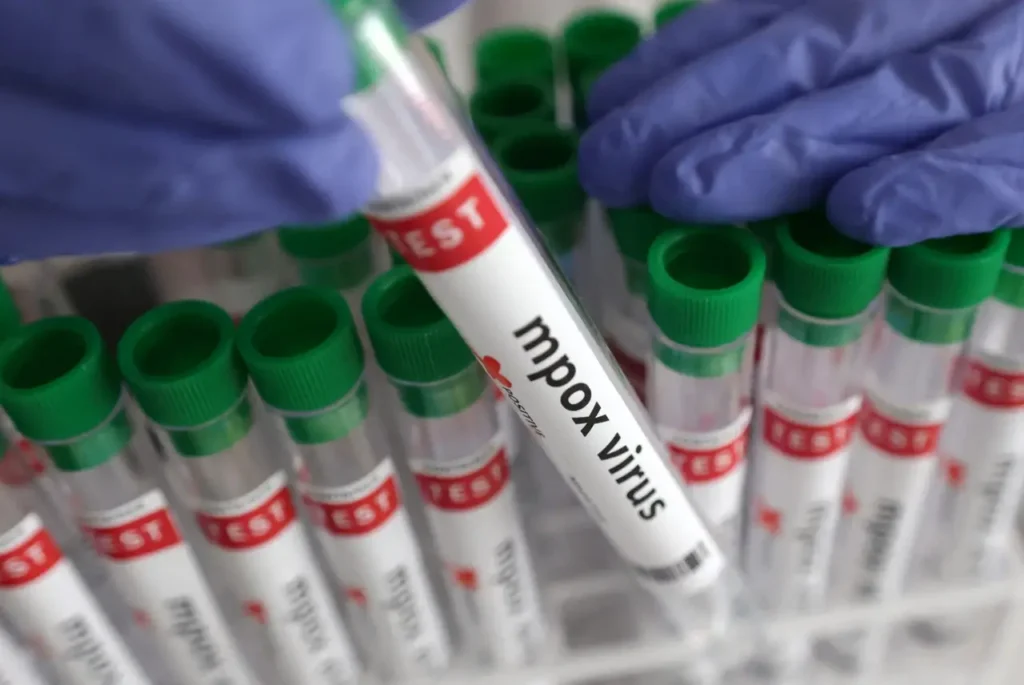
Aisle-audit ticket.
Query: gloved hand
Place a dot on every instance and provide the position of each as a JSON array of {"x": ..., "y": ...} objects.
[
  {"x": 154, "y": 124},
  {"x": 907, "y": 116}
]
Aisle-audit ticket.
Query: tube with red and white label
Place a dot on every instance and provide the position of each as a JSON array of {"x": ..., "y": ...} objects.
[
  {"x": 934, "y": 290},
  {"x": 808, "y": 400},
  {"x": 445, "y": 211},
  {"x": 52, "y": 609},
  {"x": 76, "y": 413},
  {"x": 181, "y": 364},
  {"x": 303, "y": 351},
  {"x": 459, "y": 457}
]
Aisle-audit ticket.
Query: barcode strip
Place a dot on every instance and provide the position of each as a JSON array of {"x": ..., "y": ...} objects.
[{"x": 686, "y": 566}]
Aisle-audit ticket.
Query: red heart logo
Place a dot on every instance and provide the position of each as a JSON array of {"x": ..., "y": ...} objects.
[{"x": 493, "y": 368}]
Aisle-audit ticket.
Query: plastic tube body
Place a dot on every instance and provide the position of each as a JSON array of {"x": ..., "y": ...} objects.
[
  {"x": 442, "y": 209},
  {"x": 47, "y": 601},
  {"x": 16, "y": 667},
  {"x": 461, "y": 465},
  {"x": 353, "y": 492}
]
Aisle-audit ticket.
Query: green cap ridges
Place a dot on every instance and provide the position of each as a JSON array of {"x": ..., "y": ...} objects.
[
  {"x": 827, "y": 276},
  {"x": 635, "y": 229},
  {"x": 767, "y": 232},
  {"x": 363, "y": 18},
  {"x": 1010, "y": 286},
  {"x": 182, "y": 366},
  {"x": 10, "y": 317},
  {"x": 938, "y": 284},
  {"x": 61, "y": 389},
  {"x": 670, "y": 10},
  {"x": 513, "y": 54},
  {"x": 505, "y": 106},
  {"x": 539, "y": 162},
  {"x": 304, "y": 357},
  {"x": 337, "y": 255},
  {"x": 593, "y": 41},
  {"x": 419, "y": 349}
]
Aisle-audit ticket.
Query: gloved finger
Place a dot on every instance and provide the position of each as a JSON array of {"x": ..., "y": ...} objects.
[
  {"x": 969, "y": 180},
  {"x": 419, "y": 13},
  {"x": 786, "y": 161},
  {"x": 73, "y": 183},
  {"x": 697, "y": 31},
  {"x": 821, "y": 45}
]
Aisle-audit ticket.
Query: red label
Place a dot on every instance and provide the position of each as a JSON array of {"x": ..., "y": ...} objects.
[
  {"x": 633, "y": 369},
  {"x": 448, "y": 234},
  {"x": 899, "y": 439},
  {"x": 252, "y": 528},
  {"x": 143, "y": 536},
  {"x": 801, "y": 441},
  {"x": 29, "y": 560},
  {"x": 703, "y": 466},
  {"x": 469, "y": 490},
  {"x": 991, "y": 388},
  {"x": 359, "y": 516}
]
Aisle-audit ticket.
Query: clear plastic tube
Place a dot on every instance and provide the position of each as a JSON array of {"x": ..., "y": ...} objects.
[
  {"x": 50, "y": 605},
  {"x": 446, "y": 213},
  {"x": 16, "y": 666}
]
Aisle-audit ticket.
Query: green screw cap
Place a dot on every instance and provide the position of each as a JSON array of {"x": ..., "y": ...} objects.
[
  {"x": 636, "y": 228},
  {"x": 767, "y": 233},
  {"x": 824, "y": 274},
  {"x": 10, "y": 317},
  {"x": 514, "y": 54},
  {"x": 597, "y": 39},
  {"x": 505, "y": 106},
  {"x": 56, "y": 380},
  {"x": 705, "y": 285},
  {"x": 670, "y": 10},
  {"x": 336, "y": 255},
  {"x": 539, "y": 162},
  {"x": 301, "y": 348},
  {"x": 1010, "y": 286},
  {"x": 413, "y": 340},
  {"x": 949, "y": 273},
  {"x": 181, "y": 363}
]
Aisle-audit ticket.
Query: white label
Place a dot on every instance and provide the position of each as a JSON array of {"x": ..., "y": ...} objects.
[
  {"x": 487, "y": 275},
  {"x": 713, "y": 466},
  {"x": 373, "y": 551},
  {"x": 472, "y": 510},
  {"x": 159, "y": 578},
  {"x": 982, "y": 461},
  {"x": 890, "y": 474},
  {"x": 259, "y": 544},
  {"x": 801, "y": 459},
  {"x": 16, "y": 666},
  {"x": 50, "y": 605}
]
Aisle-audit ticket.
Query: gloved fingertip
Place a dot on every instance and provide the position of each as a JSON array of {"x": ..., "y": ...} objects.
[{"x": 610, "y": 171}]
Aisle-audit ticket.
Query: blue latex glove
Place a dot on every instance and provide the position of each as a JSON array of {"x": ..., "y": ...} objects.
[
  {"x": 906, "y": 115},
  {"x": 153, "y": 124}
]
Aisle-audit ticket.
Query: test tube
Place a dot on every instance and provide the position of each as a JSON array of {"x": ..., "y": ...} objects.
[
  {"x": 933, "y": 293},
  {"x": 705, "y": 289},
  {"x": 981, "y": 450},
  {"x": 458, "y": 455},
  {"x": 16, "y": 666},
  {"x": 338, "y": 256},
  {"x": 769, "y": 311},
  {"x": 670, "y": 10},
  {"x": 181, "y": 365},
  {"x": 810, "y": 399},
  {"x": 306, "y": 361},
  {"x": 514, "y": 53},
  {"x": 503, "y": 106},
  {"x": 445, "y": 211},
  {"x": 63, "y": 393},
  {"x": 50, "y": 606}
]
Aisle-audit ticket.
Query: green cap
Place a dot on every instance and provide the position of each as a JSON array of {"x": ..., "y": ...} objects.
[
  {"x": 670, "y": 10},
  {"x": 337, "y": 255},
  {"x": 705, "y": 285},
  {"x": 949, "y": 273},
  {"x": 10, "y": 317},
  {"x": 59, "y": 385},
  {"x": 824, "y": 274},
  {"x": 301, "y": 348},
  {"x": 767, "y": 232},
  {"x": 539, "y": 162},
  {"x": 363, "y": 19},
  {"x": 502, "y": 107},
  {"x": 181, "y": 363},
  {"x": 515, "y": 53},
  {"x": 1010, "y": 287},
  {"x": 597, "y": 39},
  {"x": 396, "y": 259}
]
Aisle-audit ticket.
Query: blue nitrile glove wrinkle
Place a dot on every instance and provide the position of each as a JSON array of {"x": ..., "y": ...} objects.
[
  {"x": 151, "y": 125},
  {"x": 787, "y": 103}
]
